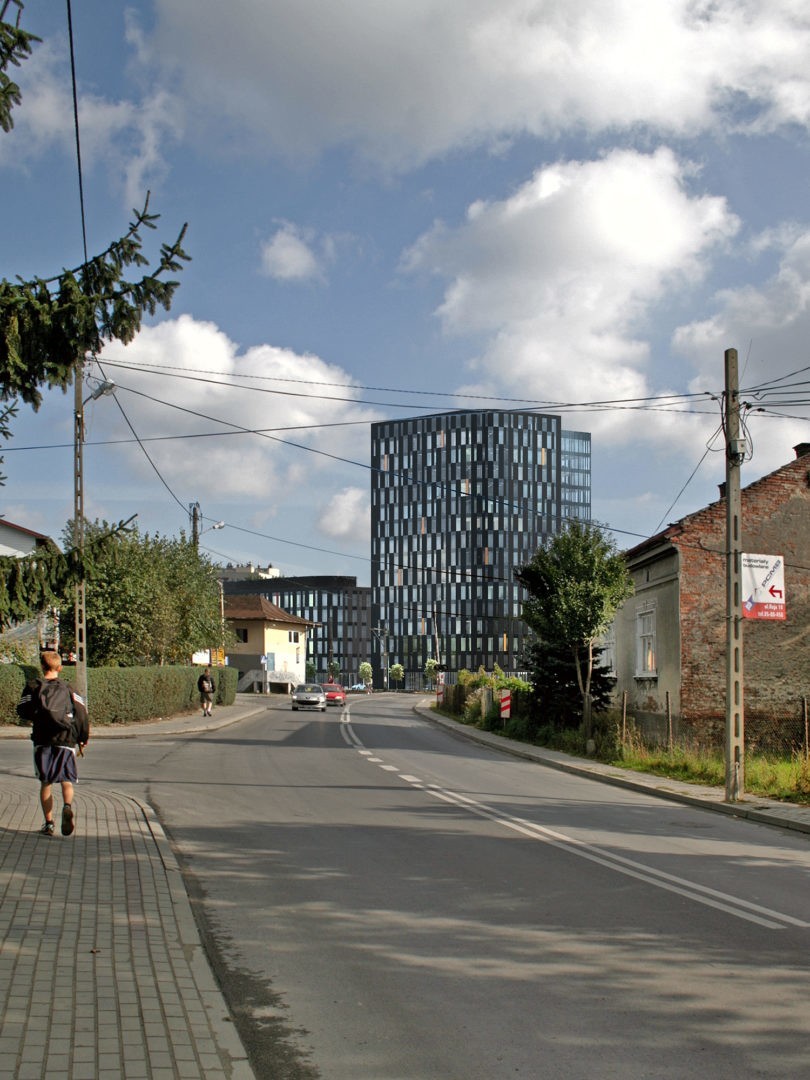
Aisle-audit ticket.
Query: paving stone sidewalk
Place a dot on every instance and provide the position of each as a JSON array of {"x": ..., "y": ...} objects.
[{"x": 102, "y": 972}]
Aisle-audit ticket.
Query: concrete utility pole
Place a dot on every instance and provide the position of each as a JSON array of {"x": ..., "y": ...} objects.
[
  {"x": 735, "y": 713},
  {"x": 381, "y": 635},
  {"x": 194, "y": 514},
  {"x": 80, "y": 622}
]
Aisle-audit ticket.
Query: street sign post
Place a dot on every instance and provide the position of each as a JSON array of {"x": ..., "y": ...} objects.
[{"x": 763, "y": 586}]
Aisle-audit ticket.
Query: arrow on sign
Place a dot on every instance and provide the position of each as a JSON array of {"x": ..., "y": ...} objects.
[{"x": 775, "y": 592}]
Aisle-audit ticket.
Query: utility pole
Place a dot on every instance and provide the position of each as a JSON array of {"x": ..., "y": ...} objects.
[
  {"x": 436, "y": 639},
  {"x": 735, "y": 713},
  {"x": 194, "y": 515},
  {"x": 381, "y": 635},
  {"x": 80, "y": 622}
]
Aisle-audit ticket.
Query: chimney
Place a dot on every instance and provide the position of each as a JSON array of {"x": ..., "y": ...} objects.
[{"x": 802, "y": 449}]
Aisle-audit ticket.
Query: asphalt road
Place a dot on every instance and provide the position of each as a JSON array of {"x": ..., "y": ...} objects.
[{"x": 387, "y": 902}]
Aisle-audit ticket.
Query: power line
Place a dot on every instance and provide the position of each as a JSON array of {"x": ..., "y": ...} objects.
[{"x": 529, "y": 404}]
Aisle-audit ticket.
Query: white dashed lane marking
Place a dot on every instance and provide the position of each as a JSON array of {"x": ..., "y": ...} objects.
[{"x": 733, "y": 905}]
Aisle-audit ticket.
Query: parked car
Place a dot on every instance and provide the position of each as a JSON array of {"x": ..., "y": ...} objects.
[
  {"x": 358, "y": 688},
  {"x": 335, "y": 694},
  {"x": 309, "y": 696}
]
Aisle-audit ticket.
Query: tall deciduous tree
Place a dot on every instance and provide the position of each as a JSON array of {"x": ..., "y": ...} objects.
[
  {"x": 575, "y": 584},
  {"x": 151, "y": 600}
]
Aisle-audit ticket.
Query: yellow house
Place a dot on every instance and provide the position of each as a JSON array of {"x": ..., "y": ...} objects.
[{"x": 271, "y": 645}]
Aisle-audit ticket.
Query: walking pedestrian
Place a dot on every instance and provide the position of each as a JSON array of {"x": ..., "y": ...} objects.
[
  {"x": 60, "y": 730},
  {"x": 205, "y": 684}
]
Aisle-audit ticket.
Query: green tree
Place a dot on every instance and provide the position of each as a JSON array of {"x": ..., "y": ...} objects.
[
  {"x": 575, "y": 584},
  {"x": 366, "y": 672},
  {"x": 333, "y": 669},
  {"x": 397, "y": 672},
  {"x": 556, "y": 693},
  {"x": 151, "y": 600}
]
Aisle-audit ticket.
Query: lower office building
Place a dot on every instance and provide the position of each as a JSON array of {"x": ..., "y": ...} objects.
[{"x": 458, "y": 501}]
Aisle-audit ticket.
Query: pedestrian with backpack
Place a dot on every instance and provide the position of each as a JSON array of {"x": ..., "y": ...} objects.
[
  {"x": 205, "y": 684},
  {"x": 60, "y": 730}
]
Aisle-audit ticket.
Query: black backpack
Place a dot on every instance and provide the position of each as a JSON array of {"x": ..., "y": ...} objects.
[{"x": 58, "y": 719}]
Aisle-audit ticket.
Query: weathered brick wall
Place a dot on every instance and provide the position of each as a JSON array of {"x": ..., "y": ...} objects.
[{"x": 776, "y": 670}]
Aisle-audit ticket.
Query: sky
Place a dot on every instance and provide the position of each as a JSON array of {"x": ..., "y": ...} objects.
[{"x": 406, "y": 206}]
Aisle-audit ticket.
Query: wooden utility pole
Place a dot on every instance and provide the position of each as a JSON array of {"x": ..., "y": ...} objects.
[{"x": 735, "y": 713}]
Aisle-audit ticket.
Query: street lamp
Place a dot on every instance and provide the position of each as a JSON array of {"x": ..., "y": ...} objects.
[{"x": 101, "y": 389}]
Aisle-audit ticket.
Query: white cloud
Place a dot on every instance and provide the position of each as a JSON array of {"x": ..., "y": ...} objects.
[
  {"x": 289, "y": 256},
  {"x": 769, "y": 325},
  {"x": 408, "y": 80},
  {"x": 127, "y": 137},
  {"x": 559, "y": 281},
  {"x": 202, "y": 387},
  {"x": 346, "y": 515}
]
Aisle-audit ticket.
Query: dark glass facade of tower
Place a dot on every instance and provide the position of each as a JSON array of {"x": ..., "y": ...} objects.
[
  {"x": 575, "y": 475},
  {"x": 458, "y": 500}
]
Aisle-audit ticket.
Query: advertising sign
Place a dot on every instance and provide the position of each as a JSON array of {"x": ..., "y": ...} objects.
[{"x": 763, "y": 586}]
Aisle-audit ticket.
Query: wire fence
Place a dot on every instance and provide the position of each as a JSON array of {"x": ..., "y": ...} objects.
[{"x": 782, "y": 731}]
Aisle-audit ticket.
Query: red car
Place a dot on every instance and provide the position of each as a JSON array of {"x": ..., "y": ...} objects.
[{"x": 335, "y": 694}]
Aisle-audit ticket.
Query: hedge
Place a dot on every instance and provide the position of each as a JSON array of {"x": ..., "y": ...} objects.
[{"x": 125, "y": 695}]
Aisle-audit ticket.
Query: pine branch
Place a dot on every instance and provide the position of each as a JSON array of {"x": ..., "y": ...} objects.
[
  {"x": 42, "y": 579},
  {"x": 15, "y": 46},
  {"x": 48, "y": 325}
]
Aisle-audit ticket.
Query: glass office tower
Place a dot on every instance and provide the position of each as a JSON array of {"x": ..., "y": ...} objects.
[{"x": 458, "y": 500}]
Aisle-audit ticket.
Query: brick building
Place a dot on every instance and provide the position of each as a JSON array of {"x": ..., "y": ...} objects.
[{"x": 668, "y": 642}]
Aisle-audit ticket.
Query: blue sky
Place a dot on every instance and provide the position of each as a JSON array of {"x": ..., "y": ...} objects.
[{"x": 453, "y": 202}]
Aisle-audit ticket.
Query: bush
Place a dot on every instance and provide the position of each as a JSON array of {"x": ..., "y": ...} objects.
[
  {"x": 473, "y": 705},
  {"x": 12, "y": 680},
  {"x": 567, "y": 740},
  {"x": 125, "y": 695}
]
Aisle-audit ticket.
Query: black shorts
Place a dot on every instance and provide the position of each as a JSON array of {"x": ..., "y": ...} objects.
[{"x": 55, "y": 764}]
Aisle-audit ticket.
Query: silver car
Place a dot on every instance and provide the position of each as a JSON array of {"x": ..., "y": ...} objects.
[{"x": 309, "y": 696}]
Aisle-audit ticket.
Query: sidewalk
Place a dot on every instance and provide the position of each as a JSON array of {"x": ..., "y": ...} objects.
[{"x": 102, "y": 971}]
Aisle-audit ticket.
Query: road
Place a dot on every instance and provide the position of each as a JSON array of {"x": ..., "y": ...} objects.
[{"x": 388, "y": 902}]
